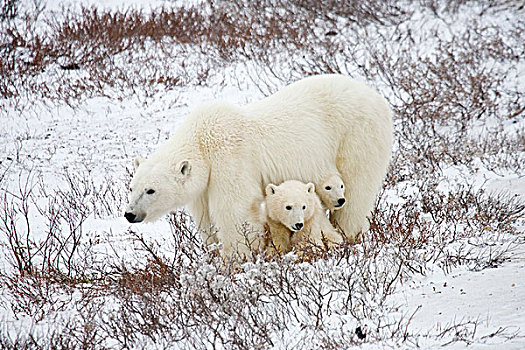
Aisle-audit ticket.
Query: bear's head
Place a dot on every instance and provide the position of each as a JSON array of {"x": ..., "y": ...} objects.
[
  {"x": 159, "y": 187},
  {"x": 291, "y": 203},
  {"x": 332, "y": 192}
]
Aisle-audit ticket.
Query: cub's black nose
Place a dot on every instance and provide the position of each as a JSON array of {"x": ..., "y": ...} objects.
[
  {"x": 299, "y": 226},
  {"x": 341, "y": 201},
  {"x": 130, "y": 217}
]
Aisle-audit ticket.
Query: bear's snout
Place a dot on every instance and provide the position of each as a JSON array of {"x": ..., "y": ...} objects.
[
  {"x": 341, "y": 201},
  {"x": 132, "y": 217},
  {"x": 298, "y": 226}
]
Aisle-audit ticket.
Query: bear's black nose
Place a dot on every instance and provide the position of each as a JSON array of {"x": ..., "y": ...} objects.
[
  {"x": 298, "y": 226},
  {"x": 341, "y": 201},
  {"x": 130, "y": 217}
]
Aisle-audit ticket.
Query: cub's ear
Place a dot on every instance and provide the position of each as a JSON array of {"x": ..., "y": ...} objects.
[
  {"x": 184, "y": 167},
  {"x": 138, "y": 161},
  {"x": 310, "y": 187},
  {"x": 271, "y": 189}
]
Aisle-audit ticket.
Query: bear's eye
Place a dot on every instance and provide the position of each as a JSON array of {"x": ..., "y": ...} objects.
[
  {"x": 304, "y": 207},
  {"x": 288, "y": 207},
  {"x": 328, "y": 188},
  {"x": 150, "y": 191},
  {"x": 342, "y": 186}
]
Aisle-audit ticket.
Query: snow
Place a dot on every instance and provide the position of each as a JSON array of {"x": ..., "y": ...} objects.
[
  {"x": 99, "y": 138},
  {"x": 493, "y": 296}
]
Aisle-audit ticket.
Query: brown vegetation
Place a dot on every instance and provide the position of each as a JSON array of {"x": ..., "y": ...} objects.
[{"x": 444, "y": 87}]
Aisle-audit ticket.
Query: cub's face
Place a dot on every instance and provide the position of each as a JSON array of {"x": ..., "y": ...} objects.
[
  {"x": 332, "y": 192},
  {"x": 156, "y": 189},
  {"x": 291, "y": 203}
]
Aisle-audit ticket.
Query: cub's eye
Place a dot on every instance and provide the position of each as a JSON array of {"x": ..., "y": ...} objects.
[
  {"x": 342, "y": 186},
  {"x": 288, "y": 207},
  {"x": 304, "y": 207},
  {"x": 150, "y": 191},
  {"x": 131, "y": 190},
  {"x": 328, "y": 188}
]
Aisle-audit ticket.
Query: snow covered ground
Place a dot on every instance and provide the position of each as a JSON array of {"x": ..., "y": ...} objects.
[
  {"x": 462, "y": 286},
  {"x": 494, "y": 297}
]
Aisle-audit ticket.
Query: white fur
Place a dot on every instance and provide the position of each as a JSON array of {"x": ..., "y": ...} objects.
[
  {"x": 327, "y": 123},
  {"x": 292, "y": 203},
  {"x": 332, "y": 192}
]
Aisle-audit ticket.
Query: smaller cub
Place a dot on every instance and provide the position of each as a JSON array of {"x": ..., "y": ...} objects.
[
  {"x": 332, "y": 192},
  {"x": 295, "y": 217}
]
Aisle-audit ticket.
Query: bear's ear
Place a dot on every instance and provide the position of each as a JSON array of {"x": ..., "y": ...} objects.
[
  {"x": 270, "y": 189},
  {"x": 184, "y": 167},
  {"x": 137, "y": 162},
  {"x": 310, "y": 187}
]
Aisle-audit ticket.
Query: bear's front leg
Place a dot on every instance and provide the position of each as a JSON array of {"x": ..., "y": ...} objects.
[
  {"x": 238, "y": 229},
  {"x": 279, "y": 242},
  {"x": 351, "y": 222},
  {"x": 200, "y": 214},
  {"x": 330, "y": 236}
]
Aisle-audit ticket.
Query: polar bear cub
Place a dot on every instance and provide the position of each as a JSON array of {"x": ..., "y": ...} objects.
[
  {"x": 295, "y": 216},
  {"x": 332, "y": 192}
]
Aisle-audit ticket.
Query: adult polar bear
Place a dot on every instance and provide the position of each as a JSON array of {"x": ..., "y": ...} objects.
[{"x": 222, "y": 157}]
